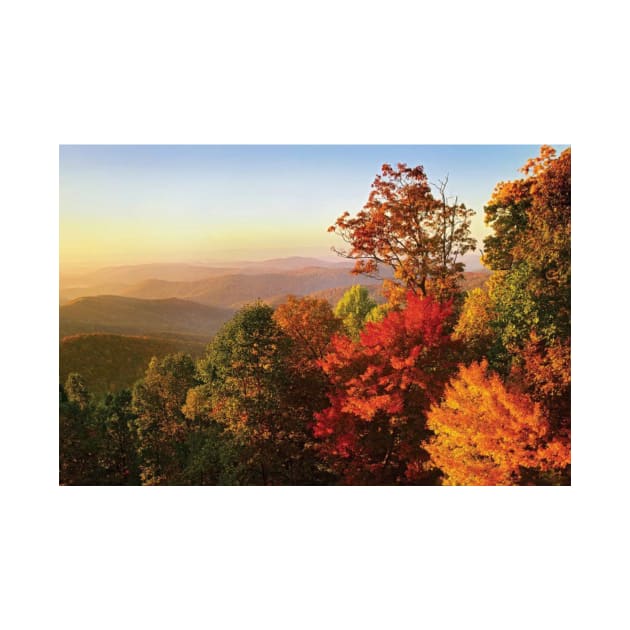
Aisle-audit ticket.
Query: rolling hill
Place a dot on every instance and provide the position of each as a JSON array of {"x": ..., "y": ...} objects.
[
  {"x": 235, "y": 290},
  {"x": 109, "y": 363},
  {"x": 125, "y": 279},
  {"x": 109, "y": 339},
  {"x": 126, "y": 315}
]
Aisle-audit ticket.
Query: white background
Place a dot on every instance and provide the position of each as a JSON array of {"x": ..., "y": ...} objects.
[{"x": 325, "y": 72}]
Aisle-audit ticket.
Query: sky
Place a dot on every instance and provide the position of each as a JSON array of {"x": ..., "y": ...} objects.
[{"x": 125, "y": 204}]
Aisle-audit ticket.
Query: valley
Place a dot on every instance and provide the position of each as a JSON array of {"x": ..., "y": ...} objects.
[{"x": 113, "y": 320}]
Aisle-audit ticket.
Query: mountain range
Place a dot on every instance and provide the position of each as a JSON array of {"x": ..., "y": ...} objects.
[{"x": 113, "y": 320}]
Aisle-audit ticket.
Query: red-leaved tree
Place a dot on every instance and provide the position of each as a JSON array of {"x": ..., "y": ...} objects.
[{"x": 381, "y": 388}]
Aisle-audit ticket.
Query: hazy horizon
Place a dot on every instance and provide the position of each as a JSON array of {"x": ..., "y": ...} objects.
[
  {"x": 227, "y": 256},
  {"x": 126, "y": 204}
]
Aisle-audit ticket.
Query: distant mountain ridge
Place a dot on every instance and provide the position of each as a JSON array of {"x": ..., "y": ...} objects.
[
  {"x": 123, "y": 279},
  {"x": 196, "y": 308},
  {"x": 129, "y": 274},
  {"x": 234, "y": 290},
  {"x": 222, "y": 285}
]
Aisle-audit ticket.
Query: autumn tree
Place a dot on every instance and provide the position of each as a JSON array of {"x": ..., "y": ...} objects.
[
  {"x": 310, "y": 323},
  {"x": 162, "y": 428},
  {"x": 531, "y": 245},
  {"x": 474, "y": 326},
  {"x": 546, "y": 371},
  {"x": 381, "y": 387},
  {"x": 485, "y": 434},
  {"x": 353, "y": 309},
  {"x": 403, "y": 226},
  {"x": 530, "y": 292},
  {"x": 252, "y": 394}
]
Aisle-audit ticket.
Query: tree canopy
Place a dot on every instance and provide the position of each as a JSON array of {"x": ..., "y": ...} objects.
[
  {"x": 432, "y": 387},
  {"x": 486, "y": 434},
  {"x": 353, "y": 309},
  {"x": 381, "y": 386},
  {"x": 403, "y": 226}
]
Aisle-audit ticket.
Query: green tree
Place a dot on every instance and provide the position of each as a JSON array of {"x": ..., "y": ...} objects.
[
  {"x": 162, "y": 429},
  {"x": 252, "y": 393},
  {"x": 213, "y": 452},
  {"x": 353, "y": 309},
  {"x": 79, "y": 436},
  {"x": 531, "y": 246},
  {"x": 116, "y": 421}
]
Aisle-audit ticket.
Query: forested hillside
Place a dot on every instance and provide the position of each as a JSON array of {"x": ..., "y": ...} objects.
[
  {"x": 124, "y": 315},
  {"x": 109, "y": 363},
  {"x": 444, "y": 379}
]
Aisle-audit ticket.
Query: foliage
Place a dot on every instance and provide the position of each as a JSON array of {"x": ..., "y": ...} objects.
[
  {"x": 531, "y": 244},
  {"x": 95, "y": 439},
  {"x": 354, "y": 308},
  {"x": 309, "y": 323},
  {"x": 117, "y": 454},
  {"x": 212, "y": 453},
  {"x": 474, "y": 326},
  {"x": 379, "y": 312},
  {"x": 78, "y": 436},
  {"x": 530, "y": 296},
  {"x": 162, "y": 428},
  {"x": 257, "y": 399},
  {"x": 486, "y": 434},
  {"x": 546, "y": 372},
  {"x": 380, "y": 388},
  {"x": 430, "y": 387},
  {"x": 403, "y": 226},
  {"x": 76, "y": 390}
]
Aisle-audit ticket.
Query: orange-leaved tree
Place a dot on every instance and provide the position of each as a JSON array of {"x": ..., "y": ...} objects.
[
  {"x": 486, "y": 434},
  {"x": 546, "y": 372},
  {"x": 404, "y": 227},
  {"x": 310, "y": 323},
  {"x": 381, "y": 387}
]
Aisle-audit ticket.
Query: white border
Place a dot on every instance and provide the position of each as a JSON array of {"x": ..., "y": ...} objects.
[{"x": 242, "y": 72}]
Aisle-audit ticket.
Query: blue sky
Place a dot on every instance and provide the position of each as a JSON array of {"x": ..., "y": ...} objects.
[{"x": 125, "y": 204}]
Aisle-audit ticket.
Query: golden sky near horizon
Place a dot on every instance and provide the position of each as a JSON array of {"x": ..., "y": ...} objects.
[{"x": 140, "y": 204}]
